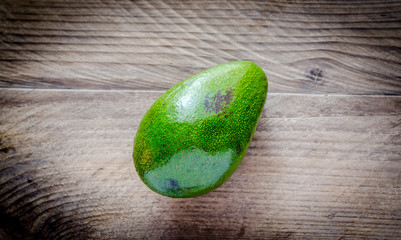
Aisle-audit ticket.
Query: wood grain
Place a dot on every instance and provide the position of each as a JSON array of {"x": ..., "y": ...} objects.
[
  {"x": 76, "y": 77},
  {"x": 346, "y": 47},
  {"x": 324, "y": 167}
]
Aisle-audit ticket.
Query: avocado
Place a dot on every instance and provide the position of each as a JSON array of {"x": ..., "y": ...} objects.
[{"x": 195, "y": 135}]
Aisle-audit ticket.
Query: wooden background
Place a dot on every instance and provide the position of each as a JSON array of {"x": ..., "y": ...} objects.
[{"x": 76, "y": 77}]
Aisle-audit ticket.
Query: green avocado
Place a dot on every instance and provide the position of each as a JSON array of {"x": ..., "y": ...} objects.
[{"x": 195, "y": 135}]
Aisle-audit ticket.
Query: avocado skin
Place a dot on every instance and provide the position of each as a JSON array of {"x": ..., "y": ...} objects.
[{"x": 195, "y": 135}]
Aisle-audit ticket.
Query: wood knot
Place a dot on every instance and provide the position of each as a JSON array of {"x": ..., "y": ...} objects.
[{"x": 315, "y": 74}]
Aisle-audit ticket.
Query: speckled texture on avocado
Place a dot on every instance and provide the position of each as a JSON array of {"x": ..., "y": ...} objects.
[{"x": 195, "y": 135}]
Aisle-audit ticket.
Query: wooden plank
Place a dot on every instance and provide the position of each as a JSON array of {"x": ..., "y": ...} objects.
[
  {"x": 324, "y": 167},
  {"x": 304, "y": 47}
]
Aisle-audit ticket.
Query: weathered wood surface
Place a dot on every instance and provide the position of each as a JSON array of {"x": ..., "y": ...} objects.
[
  {"x": 354, "y": 47},
  {"x": 76, "y": 77},
  {"x": 318, "y": 166}
]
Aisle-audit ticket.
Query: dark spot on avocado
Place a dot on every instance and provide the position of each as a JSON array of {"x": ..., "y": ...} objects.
[
  {"x": 218, "y": 102},
  {"x": 170, "y": 184},
  {"x": 173, "y": 183},
  {"x": 172, "y": 187}
]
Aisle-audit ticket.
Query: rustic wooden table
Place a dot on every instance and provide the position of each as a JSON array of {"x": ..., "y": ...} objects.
[{"x": 76, "y": 77}]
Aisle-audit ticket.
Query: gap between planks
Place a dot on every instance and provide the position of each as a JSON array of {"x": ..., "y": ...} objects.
[{"x": 162, "y": 91}]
